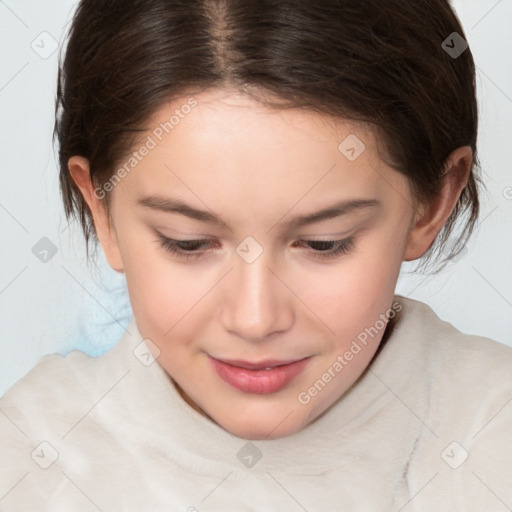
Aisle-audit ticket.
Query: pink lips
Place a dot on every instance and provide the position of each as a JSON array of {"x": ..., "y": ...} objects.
[{"x": 253, "y": 378}]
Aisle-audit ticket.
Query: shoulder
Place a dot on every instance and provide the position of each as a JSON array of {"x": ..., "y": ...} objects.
[
  {"x": 451, "y": 347},
  {"x": 460, "y": 387},
  {"x": 52, "y": 418},
  {"x": 58, "y": 387},
  {"x": 40, "y": 408},
  {"x": 467, "y": 378},
  {"x": 53, "y": 391},
  {"x": 50, "y": 380},
  {"x": 31, "y": 412}
]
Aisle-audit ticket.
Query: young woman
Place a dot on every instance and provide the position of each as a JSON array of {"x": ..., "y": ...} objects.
[{"x": 259, "y": 170}]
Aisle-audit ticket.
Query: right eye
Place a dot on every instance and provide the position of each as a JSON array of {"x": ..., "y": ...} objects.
[
  {"x": 183, "y": 248},
  {"x": 337, "y": 247}
]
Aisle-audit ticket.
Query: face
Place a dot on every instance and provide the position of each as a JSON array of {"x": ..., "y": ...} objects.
[{"x": 245, "y": 280}]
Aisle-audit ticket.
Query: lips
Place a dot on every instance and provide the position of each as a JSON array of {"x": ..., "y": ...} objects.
[
  {"x": 254, "y": 377},
  {"x": 262, "y": 365}
]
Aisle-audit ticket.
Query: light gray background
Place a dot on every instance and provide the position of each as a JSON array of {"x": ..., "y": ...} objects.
[{"x": 65, "y": 303}]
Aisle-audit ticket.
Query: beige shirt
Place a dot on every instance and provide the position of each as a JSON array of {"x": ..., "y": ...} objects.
[{"x": 427, "y": 428}]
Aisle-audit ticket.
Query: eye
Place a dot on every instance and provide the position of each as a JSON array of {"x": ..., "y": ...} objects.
[
  {"x": 331, "y": 248},
  {"x": 189, "y": 249},
  {"x": 182, "y": 248}
]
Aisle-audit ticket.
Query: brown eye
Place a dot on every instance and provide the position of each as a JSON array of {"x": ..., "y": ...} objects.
[
  {"x": 330, "y": 248},
  {"x": 183, "y": 248}
]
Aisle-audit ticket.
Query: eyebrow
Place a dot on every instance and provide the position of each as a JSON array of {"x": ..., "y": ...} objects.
[{"x": 170, "y": 205}]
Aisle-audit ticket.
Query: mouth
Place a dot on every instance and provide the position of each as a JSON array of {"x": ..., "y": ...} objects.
[{"x": 263, "y": 377}]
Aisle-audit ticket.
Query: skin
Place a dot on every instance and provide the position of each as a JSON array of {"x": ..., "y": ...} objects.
[{"x": 257, "y": 168}]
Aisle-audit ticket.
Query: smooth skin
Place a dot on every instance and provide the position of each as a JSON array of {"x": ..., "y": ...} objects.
[{"x": 256, "y": 169}]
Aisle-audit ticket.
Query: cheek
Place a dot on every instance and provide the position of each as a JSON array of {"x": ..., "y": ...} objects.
[
  {"x": 360, "y": 287},
  {"x": 172, "y": 301},
  {"x": 351, "y": 299},
  {"x": 159, "y": 291}
]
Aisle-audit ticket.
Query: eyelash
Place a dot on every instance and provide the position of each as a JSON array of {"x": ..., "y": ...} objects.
[{"x": 342, "y": 247}]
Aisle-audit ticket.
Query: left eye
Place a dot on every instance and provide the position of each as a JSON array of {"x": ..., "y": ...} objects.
[
  {"x": 184, "y": 248},
  {"x": 331, "y": 248},
  {"x": 191, "y": 248}
]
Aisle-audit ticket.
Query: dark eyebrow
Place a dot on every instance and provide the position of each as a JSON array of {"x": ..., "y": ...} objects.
[{"x": 170, "y": 205}]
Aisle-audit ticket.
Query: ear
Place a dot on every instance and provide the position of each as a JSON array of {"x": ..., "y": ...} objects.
[
  {"x": 80, "y": 172},
  {"x": 431, "y": 218}
]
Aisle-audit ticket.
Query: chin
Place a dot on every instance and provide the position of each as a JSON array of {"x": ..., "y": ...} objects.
[
  {"x": 259, "y": 434},
  {"x": 260, "y": 426}
]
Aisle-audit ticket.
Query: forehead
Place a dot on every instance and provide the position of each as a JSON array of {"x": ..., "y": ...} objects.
[
  {"x": 232, "y": 114},
  {"x": 223, "y": 145}
]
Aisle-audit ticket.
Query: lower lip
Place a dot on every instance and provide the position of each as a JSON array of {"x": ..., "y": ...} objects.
[{"x": 259, "y": 381}]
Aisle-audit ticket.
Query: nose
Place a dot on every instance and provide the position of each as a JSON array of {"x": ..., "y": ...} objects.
[{"x": 258, "y": 303}]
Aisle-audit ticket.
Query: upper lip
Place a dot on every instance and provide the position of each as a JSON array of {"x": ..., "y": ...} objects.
[{"x": 260, "y": 365}]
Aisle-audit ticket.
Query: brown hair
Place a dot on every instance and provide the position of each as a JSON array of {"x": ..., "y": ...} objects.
[{"x": 377, "y": 62}]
